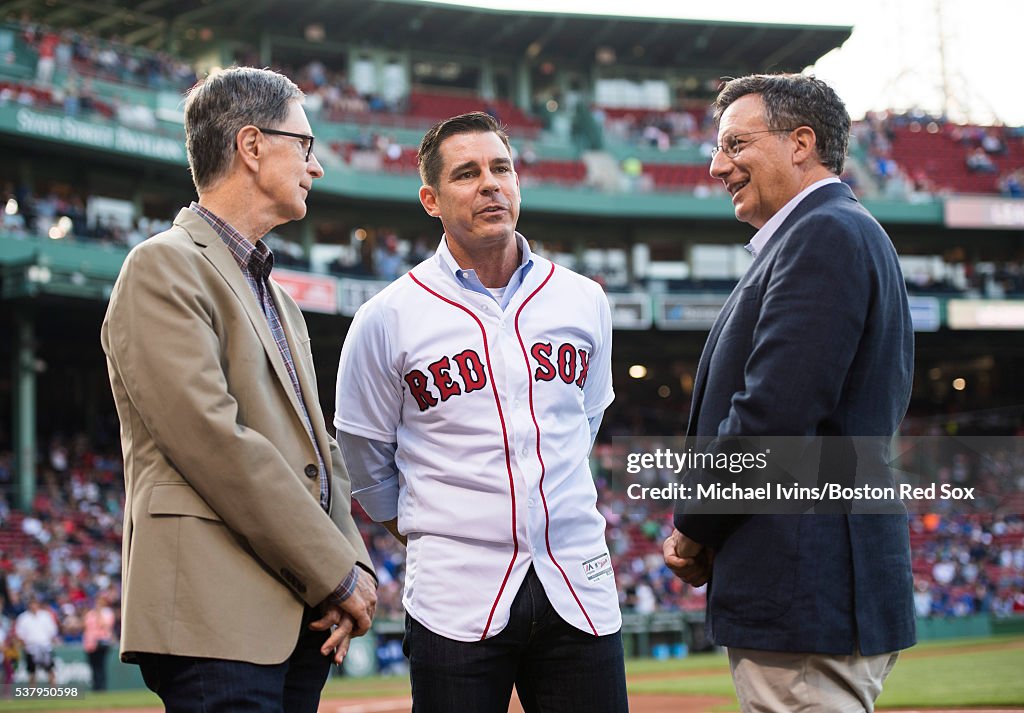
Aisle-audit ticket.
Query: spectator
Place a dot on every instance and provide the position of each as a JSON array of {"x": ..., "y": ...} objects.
[
  {"x": 36, "y": 629},
  {"x": 97, "y": 638},
  {"x": 992, "y": 144},
  {"x": 979, "y": 162},
  {"x": 387, "y": 261},
  {"x": 11, "y": 655},
  {"x": 1012, "y": 184}
]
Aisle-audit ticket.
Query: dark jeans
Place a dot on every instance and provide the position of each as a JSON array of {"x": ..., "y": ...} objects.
[
  {"x": 556, "y": 668},
  {"x": 188, "y": 684}
]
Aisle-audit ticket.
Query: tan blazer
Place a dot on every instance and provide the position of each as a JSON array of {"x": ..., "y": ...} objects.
[{"x": 224, "y": 536}]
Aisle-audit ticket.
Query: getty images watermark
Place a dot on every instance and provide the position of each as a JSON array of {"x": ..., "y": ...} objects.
[{"x": 820, "y": 474}]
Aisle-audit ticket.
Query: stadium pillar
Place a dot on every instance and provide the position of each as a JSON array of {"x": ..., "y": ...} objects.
[
  {"x": 307, "y": 233},
  {"x": 488, "y": 90},
  {"x": 523, "y": 89},
  {"x": 24, "y": 417}
]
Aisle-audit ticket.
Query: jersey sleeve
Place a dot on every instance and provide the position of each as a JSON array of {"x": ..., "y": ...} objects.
[
  {"x": 597, "y": 389},
  {"x": 375, "y": 483},
  {"x": 369, "y": 390}
]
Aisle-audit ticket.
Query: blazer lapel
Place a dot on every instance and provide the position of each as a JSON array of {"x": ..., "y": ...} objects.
[
  {"x": 217, "y": 253},
  {"x": 701, "y": 378}
]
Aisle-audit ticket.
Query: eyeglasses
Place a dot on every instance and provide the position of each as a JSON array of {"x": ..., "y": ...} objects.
[
  {"x": 733, "y": 144},
  {"x": 304, "y": 137}
]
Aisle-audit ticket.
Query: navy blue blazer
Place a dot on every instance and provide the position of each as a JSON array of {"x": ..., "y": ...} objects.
[{"x": 815, "y": 340}]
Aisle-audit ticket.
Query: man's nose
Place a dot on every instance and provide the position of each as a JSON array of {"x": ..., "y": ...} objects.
[
  {"x": 489, "y": 182},
  {"x": 720, "y": 165},
  {"x": 315, "y": 169}
]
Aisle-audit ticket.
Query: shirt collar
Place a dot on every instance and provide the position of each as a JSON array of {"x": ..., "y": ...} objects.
[
  {"x": 257, "y": 258},
  {"x": 762, "y": 236},
  {"x": 467, "y": 278},
  {"x": 444, "y": 255}
]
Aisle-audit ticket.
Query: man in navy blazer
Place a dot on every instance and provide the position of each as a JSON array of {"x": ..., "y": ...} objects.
[{"x": 815, "y": 341}]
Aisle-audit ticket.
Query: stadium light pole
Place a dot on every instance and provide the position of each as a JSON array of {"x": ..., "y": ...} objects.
[{"x": 24, "y": 416}]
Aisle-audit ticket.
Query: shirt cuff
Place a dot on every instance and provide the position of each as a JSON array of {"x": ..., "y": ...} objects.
[
  {"x": 348, "y": 585},
  {"x": 380, "y": 500}
]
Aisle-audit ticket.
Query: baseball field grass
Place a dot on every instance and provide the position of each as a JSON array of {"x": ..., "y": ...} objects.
[
  {"x": 955, "y": 673},
  {"x": 958, "y": 673}
]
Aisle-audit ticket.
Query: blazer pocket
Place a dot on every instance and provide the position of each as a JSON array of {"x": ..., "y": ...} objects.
[
  {"x": 755, "y": 573},
  {"x": 179, "y": 499}
]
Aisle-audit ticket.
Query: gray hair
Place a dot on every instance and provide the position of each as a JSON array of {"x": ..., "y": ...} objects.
[
  {"x": 792, "y": 100},
  {"x": 220, "y": 105}
]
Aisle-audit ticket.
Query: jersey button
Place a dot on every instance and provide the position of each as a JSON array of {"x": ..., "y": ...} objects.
[
  {"x": 531, "y": 502},
  {"x": 312, "y": 471}
]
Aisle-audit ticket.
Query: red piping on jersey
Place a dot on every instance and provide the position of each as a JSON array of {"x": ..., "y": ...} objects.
[
  {"x": 543, "y": 471},
  {"x": 504, "y": 434}
]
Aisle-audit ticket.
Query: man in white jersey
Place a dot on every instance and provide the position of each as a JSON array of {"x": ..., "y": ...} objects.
[{"x": 469, "y": 394}]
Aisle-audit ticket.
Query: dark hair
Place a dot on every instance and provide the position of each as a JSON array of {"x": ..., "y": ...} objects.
[
  {"x": 428, "y": 158},
  {"x": 220, "y": 105},
  {"x": 792, "y": 100}
]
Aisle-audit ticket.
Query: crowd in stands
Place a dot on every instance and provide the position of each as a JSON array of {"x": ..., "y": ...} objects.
[
  {"x": 66, "y": 550},
  {"x": 61, "y": 212},
  {"x": 83, "y": 54},
  {"x": 69, "y": 65},
  {"x": 661, "y": 130},
  {"x": 916, "y": 154},
  {"x": 330, "y": 95}
]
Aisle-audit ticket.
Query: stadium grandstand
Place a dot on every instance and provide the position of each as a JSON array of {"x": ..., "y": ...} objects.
[{"x": 610, "y": 123}]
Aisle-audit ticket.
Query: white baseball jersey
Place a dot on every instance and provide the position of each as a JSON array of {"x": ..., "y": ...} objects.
[{"x": 489, "y": 408}]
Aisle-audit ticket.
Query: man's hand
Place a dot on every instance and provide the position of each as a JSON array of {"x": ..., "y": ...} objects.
[
  {"x": 339, "y": 640},
  {"x": 688, "y": 560},
  {"x": 361, "y": 604},
  {"x": 352, "y": 617}
]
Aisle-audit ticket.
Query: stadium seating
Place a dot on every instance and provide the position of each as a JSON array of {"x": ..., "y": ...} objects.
[
  {"x": 433, "y": 105},
  {"x": 941, "y": 157}
]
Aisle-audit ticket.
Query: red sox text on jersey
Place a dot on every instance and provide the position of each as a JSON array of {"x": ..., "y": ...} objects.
[{"x": 570, "y": 366}]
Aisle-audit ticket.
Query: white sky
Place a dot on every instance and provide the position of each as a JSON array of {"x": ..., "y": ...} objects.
[{"x": 892, "y": 58}]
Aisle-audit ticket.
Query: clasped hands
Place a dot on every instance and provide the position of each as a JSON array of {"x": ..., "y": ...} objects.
[
  {"x": 688, "y": 560},
  {"x": 351, "y": 617}
]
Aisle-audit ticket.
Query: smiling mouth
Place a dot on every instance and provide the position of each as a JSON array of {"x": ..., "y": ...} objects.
[
  {"x": 737, "y": 187},
  {"x": 493, "y": 210}
]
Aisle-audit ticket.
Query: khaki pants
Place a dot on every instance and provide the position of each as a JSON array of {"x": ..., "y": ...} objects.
[{"x": 779, "y": 682}]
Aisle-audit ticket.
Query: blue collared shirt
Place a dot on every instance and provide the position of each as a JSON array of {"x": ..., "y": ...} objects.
[{"x": 469, "y": 280}]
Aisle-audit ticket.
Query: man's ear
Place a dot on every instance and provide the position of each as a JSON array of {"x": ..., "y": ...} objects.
[
  {"x": 428, "y": 199},
  {"x": 250, "y": 146},
  {"x": 806, "y": 144}
]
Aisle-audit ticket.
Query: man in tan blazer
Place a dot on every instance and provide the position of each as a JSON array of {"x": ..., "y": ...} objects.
[{"x": 244, "y": 574}]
